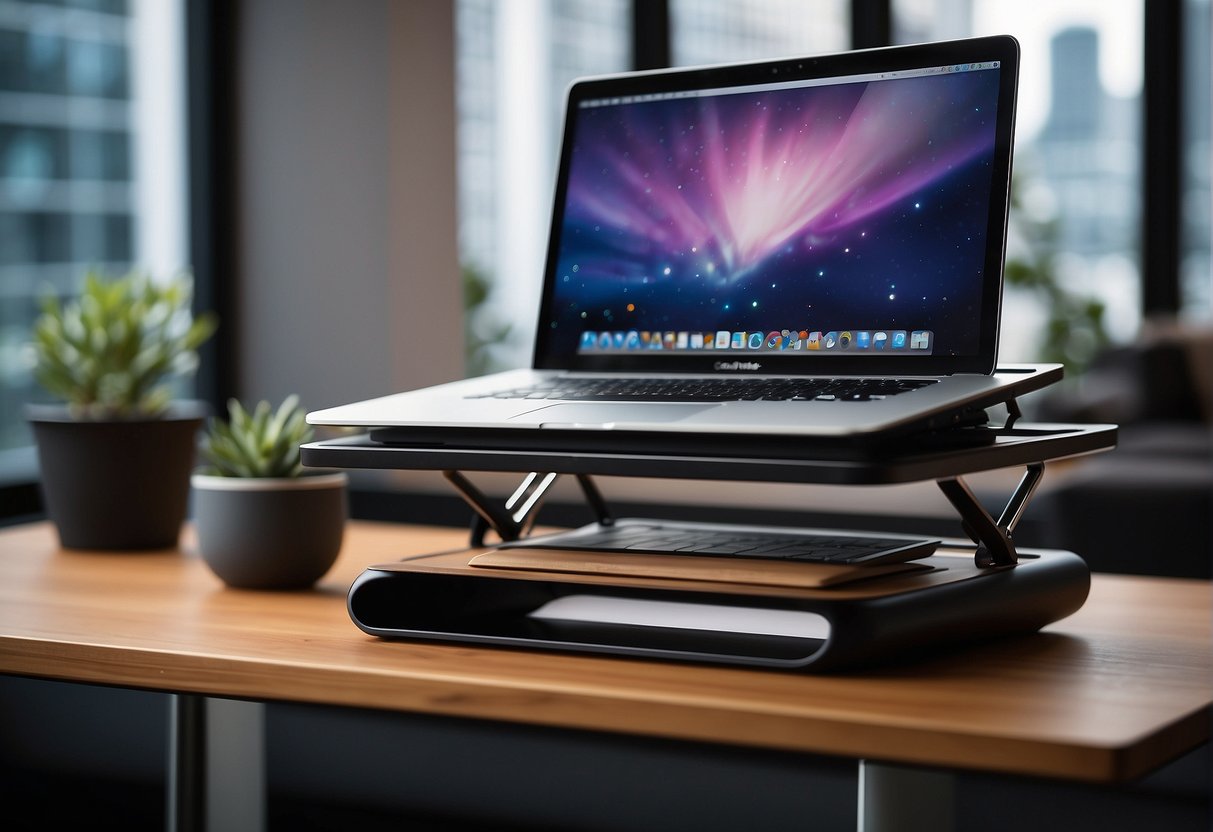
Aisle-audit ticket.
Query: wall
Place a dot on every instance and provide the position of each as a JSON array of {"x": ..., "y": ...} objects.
[{"x": 349, "y": 282}]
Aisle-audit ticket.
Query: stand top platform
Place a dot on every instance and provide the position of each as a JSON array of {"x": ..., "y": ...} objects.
[{"x": 912, "y": 459}]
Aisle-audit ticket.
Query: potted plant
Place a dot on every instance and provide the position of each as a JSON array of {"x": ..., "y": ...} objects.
[
  {"x": 264, "y": 521},
  {"x": 116, "y": 456}
]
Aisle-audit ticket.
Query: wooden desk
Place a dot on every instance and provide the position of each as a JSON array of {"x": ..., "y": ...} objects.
[{"x": 1106, "y": 695}]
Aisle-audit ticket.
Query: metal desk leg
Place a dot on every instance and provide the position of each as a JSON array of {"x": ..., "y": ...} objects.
[
  {"x": 235, "y": 771},
  {"x": 899, "y": 799},
  {"x": 216, "y": 765},
  {"x": 186, "y": 763}
]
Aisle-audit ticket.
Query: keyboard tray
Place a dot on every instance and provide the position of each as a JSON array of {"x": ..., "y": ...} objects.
[{"x": 637, "y": 535}]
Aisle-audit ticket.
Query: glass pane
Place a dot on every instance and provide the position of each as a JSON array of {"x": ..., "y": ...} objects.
[
  {"x": 514, "y": 62},
  {"x": 1196, "y": 266},
  {"x": 1074, "y": 244},
  {"x": 727, "y": 30},
  {"x": 91, "y": 166}
]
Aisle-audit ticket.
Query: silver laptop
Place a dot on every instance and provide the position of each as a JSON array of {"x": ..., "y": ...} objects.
[{"x": 807, "y": 247}]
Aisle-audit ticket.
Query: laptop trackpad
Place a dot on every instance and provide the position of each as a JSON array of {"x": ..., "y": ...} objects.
[{"x": 604, "y": 414}]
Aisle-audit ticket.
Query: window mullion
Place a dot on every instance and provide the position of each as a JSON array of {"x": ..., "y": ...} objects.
[
  {"x": 650, "y": 34},
  {"x": 871, "y": 23},
  {"x": 1162, "y": 153}
]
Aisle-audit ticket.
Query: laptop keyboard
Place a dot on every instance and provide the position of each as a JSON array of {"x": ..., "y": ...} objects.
[
  {"x": 725, "y": 541},
  {"x": 713, "y": 390}
]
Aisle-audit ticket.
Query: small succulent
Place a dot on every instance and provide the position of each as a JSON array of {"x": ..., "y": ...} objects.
[
  {"x": 110, "y": 352},
  {"x": 261, "y": 443}
]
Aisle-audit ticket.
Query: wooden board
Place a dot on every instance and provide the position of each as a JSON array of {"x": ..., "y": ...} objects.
[{"x": 686, "y": 567}]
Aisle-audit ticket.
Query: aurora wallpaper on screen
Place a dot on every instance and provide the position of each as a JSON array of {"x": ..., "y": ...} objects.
[{"x": 856, "y": 206}]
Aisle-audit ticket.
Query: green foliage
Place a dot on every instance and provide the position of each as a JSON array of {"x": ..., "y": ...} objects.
[
  {"x": 111, "y": 351},
  {"x": 1075, "y": 331},
  {"x": 481, "y": 331},
  {"x": 263, "y": 443}
]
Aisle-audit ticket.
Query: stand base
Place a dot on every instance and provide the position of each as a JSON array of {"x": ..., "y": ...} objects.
[
  {"x": 965, "y": 592},
  {"x": 443, "y": 598}
]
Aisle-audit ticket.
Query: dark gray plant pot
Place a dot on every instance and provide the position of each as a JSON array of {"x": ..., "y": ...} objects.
[
  {"x": 268, "y": 533},
  {"x": 119, "y": 483}
]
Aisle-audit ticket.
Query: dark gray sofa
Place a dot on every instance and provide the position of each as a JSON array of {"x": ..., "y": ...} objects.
[{"x": 1146, "y": 507}]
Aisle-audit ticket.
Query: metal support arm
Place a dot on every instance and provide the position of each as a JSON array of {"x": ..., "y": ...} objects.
[
  {"x": 993, "y": 538},
  {"x": 515, "y": 519}
]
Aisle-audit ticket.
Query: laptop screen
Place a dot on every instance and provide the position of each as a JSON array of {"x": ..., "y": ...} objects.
[{"x": 839, "y": 214}]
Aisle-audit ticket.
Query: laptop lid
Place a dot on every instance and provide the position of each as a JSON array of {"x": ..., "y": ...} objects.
[{"x": 840, "y": 214}]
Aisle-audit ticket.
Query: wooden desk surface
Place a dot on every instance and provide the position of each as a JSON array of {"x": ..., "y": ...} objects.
[{"x": 1105, "y": 695}]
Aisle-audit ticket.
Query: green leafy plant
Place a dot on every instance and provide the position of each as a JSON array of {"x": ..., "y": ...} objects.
[
  {"x": 482, "y": 331},
  {"x": 111, "y": 351},
  {"x": 1076, "y": 330},
  {"x": 261, "y": 443}
]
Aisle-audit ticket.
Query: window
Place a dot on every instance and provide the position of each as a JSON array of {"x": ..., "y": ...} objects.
[
  {"x": 1196, "y": 212},
  {"x": 727, "y": 30},
  {"x": 513, "y": 63},
  {"x": 1087, "y": 212},
  {"x": 91, "y": 166}
]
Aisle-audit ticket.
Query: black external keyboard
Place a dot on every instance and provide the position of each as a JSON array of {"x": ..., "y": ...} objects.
[
  {"x": 718, "y": 540},
  {"x": 714, "y": 390}
]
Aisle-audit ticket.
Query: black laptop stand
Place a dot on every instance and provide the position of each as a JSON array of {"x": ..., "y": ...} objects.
[{"x": 966, "y": 591}]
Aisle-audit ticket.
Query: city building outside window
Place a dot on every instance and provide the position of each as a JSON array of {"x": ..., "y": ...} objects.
[
  {"x": 743, "y": 30},
  {"x": 92, "y": 151}
]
